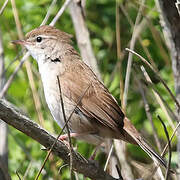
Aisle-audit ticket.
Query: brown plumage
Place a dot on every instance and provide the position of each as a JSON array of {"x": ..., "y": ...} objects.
[{"x": 98, "y": 115}]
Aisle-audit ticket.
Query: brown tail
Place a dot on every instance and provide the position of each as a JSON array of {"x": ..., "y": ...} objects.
[{"x": 131, "y": 130}]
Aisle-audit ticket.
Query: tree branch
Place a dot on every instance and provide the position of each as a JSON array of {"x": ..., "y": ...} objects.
[
  {"x": 82, "y": 35},
  {"x": 12, "y": 116}
]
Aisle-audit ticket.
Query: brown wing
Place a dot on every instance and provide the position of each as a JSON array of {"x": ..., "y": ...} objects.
[{"x": 97, "y": 103}]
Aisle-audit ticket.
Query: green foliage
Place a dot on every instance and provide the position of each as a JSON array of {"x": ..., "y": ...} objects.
[{"x": 101, "y": 21}]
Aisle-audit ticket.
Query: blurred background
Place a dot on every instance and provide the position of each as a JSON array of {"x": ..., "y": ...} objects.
[{"x": 113, "y": 26}]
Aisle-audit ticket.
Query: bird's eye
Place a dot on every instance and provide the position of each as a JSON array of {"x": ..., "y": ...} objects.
[{"x": 39, "y": 39}]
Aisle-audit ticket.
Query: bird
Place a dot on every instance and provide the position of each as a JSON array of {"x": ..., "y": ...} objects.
[{"x": 97, "y": 115}]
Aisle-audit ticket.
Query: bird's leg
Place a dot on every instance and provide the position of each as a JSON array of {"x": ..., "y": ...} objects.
[
  {"x": 93, "y": 155},
  {"x": 65, "y": 136},
  {"x": 75, "y": 135}
]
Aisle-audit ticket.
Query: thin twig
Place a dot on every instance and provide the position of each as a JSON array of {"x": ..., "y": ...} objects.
[
  {"x": 157, "y": 74},
  {"x": 67, "y": 126},
  {"x": 158, "y": 98},
  {"x": 174, "y": 132},
  {"x": 47, "y": 156},
  {"x": 119, "y": 53},
  {"x": 155, "y": 34},
  {"x": 17, "y": 20},
  {"x": 27, "y": 170},
  {"x": 13, "y": 61},
  {"x": 162, "y": 106},
  {"x": 48, "y": 12},
  {"x": 169, "y": 147},
  {"x": 9, "y": 81},
  {"x": 170, "y": 112},
  {"x": 165, "y": 148},
  {"x": 109, "y": 155},
  {"x": 78, "y": 102},
  {"x": 158, "y": 41},
  {"x": 141, "y": 25},
  {"x": 18, "y": 175},
  {"x": 64, "y": 6},
  {"x": 64, "y": 165},
  {"x": 3, "y": 7},
  {"x": 36, "y": 98},
  {"x": 148, "y": 114},
  {"x": 132, "y": 44}
]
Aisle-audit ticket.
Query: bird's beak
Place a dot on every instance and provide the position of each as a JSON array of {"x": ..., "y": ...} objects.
[{"x": 21, "y": 42}]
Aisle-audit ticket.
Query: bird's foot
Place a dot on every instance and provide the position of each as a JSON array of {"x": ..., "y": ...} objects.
[{"x": 65, "y": 136}]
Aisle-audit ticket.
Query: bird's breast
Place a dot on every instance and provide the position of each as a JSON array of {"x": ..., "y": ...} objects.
[{"x": 49, "y": 73}]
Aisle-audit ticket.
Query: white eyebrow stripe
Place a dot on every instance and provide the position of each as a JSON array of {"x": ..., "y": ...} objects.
[{"x": 43, "y": 36}]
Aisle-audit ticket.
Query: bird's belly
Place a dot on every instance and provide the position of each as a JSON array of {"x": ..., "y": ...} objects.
[{"x": 54, "y": 104}]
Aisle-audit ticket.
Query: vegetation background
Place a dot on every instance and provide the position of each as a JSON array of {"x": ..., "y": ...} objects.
[{"x": 111, "y": 27}]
